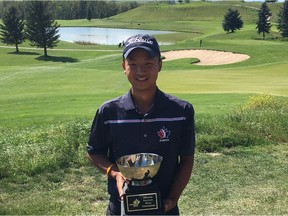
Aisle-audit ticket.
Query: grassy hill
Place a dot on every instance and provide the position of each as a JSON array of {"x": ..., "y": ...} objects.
[{"x": 181, "y": 17}]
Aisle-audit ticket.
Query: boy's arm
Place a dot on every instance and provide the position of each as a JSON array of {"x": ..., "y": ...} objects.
[
  {"x": 110, "y": 169},
  {"x": 181, "y": 179}
]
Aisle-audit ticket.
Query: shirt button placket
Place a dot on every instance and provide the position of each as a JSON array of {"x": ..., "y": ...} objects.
[{"x": 145, "y": 127}]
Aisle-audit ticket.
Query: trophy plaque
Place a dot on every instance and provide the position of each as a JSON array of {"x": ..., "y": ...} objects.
[{"x": 141, "y": 194}]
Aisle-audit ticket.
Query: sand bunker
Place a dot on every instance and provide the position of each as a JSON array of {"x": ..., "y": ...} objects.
[{"x": 206, "y": 57}]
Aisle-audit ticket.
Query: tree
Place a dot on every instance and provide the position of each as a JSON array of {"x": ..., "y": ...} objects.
[
  {"x": 89, "y": 14},
  {"x": 283, "y": 20},
  {"x": 12, "y": 28},
  {"x": 263, "y": 23},
  {"x": 41, "y": 29},
  {"x": 232, "y": 21}
]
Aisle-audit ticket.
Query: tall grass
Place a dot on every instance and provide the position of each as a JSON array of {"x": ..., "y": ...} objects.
[{"x": 33, "y": 150}]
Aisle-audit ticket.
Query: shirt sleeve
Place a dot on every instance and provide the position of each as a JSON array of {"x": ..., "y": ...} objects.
[
  {"x": 97, "y": 143},
  {"x": 188, "y": 133}
]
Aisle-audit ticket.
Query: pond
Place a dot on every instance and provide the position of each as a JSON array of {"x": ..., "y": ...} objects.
[{"x": 105, "y": 36}]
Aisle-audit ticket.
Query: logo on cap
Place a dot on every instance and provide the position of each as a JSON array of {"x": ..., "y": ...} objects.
[{"x": 138, "y": 39}]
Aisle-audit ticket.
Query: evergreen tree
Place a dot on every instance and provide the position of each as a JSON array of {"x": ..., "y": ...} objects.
[
  {"x": 41, "y": 29},
  {"x": 283, "y": 20},
  {"x": 263, "y": 23},
  {"x": 12, "y": 28},
  {"x": 89, "y": 14},
  {"x": 232, "y": 21}
]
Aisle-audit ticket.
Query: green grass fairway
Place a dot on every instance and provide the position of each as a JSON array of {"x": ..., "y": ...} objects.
[
  {"x": 47, "y": 105},
  {"x": 75, "y": 82}
]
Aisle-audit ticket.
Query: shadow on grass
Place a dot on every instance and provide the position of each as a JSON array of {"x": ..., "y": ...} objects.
[
  {"x": 57, "y": 59},
  {"x": 24, "y": 53}
]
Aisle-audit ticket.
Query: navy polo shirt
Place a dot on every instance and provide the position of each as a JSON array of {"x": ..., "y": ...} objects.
[{"x": 119, "y": 129}]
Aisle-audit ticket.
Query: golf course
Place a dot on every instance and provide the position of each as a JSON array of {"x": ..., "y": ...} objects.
[{"x": 237, "y": 83}]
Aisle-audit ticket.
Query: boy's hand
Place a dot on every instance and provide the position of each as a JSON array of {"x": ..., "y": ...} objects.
[
  {"x": 120, "y": 184},
  {"x": 169, "y": 204}
]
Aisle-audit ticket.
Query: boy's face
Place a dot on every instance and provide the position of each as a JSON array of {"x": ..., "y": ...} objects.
[{"x": 142, "y": 70}]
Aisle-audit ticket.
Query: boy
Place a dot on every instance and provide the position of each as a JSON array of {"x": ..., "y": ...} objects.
[{"x": 145, "y": 120}]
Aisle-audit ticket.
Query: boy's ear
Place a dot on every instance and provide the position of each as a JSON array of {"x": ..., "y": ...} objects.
[
  {"x": 124, "y": 67},
  {"x": 160, "y": 65}
]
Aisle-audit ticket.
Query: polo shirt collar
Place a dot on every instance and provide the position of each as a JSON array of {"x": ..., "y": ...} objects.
[
  {"x": 160, "y": 102},
  {"x": 128, "y": 103}
]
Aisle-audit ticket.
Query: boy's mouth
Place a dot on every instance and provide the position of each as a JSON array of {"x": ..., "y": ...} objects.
[{"x": 141, "y": 78}]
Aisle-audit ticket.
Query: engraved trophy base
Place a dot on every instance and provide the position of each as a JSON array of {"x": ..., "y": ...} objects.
[{"x": 141, "y": 200}]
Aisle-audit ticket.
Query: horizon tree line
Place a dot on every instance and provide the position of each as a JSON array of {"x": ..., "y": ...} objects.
[{"x": 77, "y": 9}]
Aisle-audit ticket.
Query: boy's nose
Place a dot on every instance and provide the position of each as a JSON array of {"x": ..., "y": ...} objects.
[{"x": 140, "y": 70}]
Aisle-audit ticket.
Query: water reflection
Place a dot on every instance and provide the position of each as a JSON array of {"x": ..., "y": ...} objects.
[{"x": 105, "y": 36}]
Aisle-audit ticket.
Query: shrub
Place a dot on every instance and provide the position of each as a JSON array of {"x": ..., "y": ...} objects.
[
  {"x": 85, "y": 43},
  {"x": 262, "y": 119},
  {"x": 265, "y": 116}
]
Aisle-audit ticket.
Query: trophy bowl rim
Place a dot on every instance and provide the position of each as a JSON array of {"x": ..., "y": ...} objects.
[
  {"x": 135, "y": 173},
  {"x": 141, "y": 153}
]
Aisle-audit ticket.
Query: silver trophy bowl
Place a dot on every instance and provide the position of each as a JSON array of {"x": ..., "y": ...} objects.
[{"x": 139, "y": 168}]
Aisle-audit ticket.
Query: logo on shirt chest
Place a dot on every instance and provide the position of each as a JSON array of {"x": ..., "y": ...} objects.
[{"x": 164, "y": 134}]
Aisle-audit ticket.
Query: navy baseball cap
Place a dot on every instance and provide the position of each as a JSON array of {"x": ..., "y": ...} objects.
[{"x": 143, "y": 41}]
